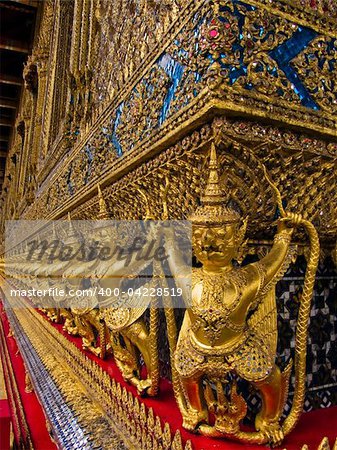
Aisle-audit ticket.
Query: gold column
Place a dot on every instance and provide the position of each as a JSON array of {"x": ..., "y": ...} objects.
[
  {"x": 42, "y": 69},
  {"x": 49, "y": 32},
  {"x": 83, "y": 51},
  {"x": 76, "y": 37},
  {"x": 27, "y": 115}
]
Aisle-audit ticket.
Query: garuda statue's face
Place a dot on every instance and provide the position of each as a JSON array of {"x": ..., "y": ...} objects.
[
  {"x": 103, "y": 236},
  {"x": 215, "y": 245}
]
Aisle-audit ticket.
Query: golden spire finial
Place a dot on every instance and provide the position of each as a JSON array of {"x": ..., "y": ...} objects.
[
  {"x": 70, "y": 225},
  {"x": 213, "y": 193},
  {"x": 54, "y": 233},
  {"x": 213, "y": 208},
  {"x": 103, "y": 209},
  {"x": 72, "y": 234}
]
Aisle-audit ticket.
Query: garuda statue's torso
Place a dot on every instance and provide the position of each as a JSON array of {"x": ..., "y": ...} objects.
[{"x": 217, "y": 334}]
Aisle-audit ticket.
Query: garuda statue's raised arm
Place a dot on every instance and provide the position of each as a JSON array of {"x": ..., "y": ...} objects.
[{"x": 231, "y": 325}]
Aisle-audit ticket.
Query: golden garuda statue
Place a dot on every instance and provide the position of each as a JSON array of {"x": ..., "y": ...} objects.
[
  {"x": 130, "y": 337},
  {"x": 230, "y": 329}
]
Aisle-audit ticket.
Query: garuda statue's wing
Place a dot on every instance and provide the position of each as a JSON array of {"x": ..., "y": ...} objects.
[{"x": 263, "y": 322}]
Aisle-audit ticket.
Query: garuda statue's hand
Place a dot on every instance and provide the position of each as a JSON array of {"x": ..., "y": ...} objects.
[{"x": 288, "y": 223}]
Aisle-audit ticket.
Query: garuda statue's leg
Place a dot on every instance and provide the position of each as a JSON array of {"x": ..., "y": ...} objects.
[
  {"x": 69, "y": 322},
  {"x": 196, "y": 411},
  {"x": 190, "y": 366},
  {"x": 138, "y": 334},
  {"x": 87, "y": 333},
  {"x": 273, "y": 392},
  {"x": 267, "y": 419},
  {"x": 125, "y": 357}
]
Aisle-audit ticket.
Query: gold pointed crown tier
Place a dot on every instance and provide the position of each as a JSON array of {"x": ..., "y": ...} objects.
[
  {"x": 103, "y": 209},
  {"x": 73, "y": 235},
  {"x": 213, "y": 209}
]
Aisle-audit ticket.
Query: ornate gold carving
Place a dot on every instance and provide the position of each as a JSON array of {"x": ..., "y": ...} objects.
[
  {"x": 324, "y": 445},
  {"x": 140, "y": 29},
  {"x": 213, "y": 38},
  {"x": 319, "y": 58},
  {"x": 321, "y": 14},
  {"x": 30, "y": 76},
  {"x": 28, "y": 384},
  {"x": 244, "y": 145}
]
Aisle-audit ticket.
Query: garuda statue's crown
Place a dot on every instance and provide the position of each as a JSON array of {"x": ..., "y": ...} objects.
[
  {"x": 213, "y": 209},
  {"x": 73, "y": 236}
]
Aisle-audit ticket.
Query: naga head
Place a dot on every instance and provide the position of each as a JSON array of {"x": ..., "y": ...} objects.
[{"x": 218, "y": 230}]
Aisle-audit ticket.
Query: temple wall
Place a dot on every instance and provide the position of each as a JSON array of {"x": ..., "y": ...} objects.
[{"x": 128, "y": 93}]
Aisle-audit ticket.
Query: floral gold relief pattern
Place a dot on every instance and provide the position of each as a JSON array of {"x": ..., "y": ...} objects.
[
  {"x": 215, "y": 58},
  {"x": 319, "y": 57}
]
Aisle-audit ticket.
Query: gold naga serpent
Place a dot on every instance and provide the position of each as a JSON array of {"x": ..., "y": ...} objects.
[
  {"x": 303, "y": 315},
  {"x": 291, "y": 420}
]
